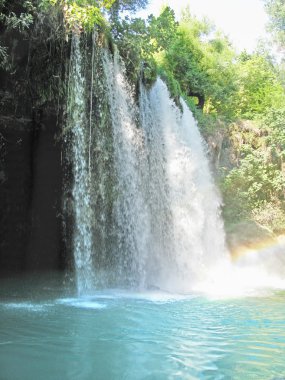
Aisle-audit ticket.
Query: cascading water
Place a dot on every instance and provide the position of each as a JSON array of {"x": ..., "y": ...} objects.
[
  {"x": 82, "y": 236},
  {"x": 88, "y": 134},
  {"x": 161, "y": 225},
  {"x": 130, "y": 206},
  {"x": 182, "y": 195}
]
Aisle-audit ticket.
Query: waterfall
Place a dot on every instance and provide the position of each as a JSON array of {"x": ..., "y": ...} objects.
[
  {"x": 146, "y": 210},
  {"x": 184, "y": 203},
  {"x": 130, "y": 206},
  {"x": 82, "y": 236}
]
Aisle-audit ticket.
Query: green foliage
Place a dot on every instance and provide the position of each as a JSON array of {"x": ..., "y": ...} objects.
[
  {"x": 21, "y": 22},
  {"x": 85, "y": 14},
  {"x": 198, "y": 62},
  {"x": 130, "y": 6},
  {"x": 270, "y": 215},
  {"x": 254, "y": 188},
  {"x": 219, "y": 64},
  {"x": 251, "y": 189},
  {"x": 258, "y": 87},
  {"x": 80, "y": 14},
  {"x": 132, "y": 41},
  {"x": 181, "y": 41},
  {"x": 255, "y": 181},
  {"x": 162, "y": 30},
  {"x": 199, "y": 59},
  {"x": 187, "y": 70},
  {"x": 276, "y": 11},
  {"x": 274, "y": 119},
  {"x": 12, "y": 21},
  {"x": 220, "y": 86},
  {"x": 172, "y": 84}
]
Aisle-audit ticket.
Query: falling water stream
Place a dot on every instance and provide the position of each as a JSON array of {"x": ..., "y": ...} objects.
[
  {"x": 131, "y": 208},
  {"x": 156, "y": 296},
  {"x": 166, "y": 209},
  {"x": 82, "y": 242},
  {"x": 150, "y": 218},
  {"x": 183, "y": 200}
]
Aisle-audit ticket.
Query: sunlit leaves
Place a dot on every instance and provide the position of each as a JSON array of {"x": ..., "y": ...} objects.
[
  {"x": 81, "y": 14},
  {"x": 258, "y": 87},
  {"x": 254, "y": 183},
  {"x": 276, "y": 11}
]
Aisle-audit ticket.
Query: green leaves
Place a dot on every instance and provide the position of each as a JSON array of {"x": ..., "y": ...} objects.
[
  {"x": 20, "y": 23},
  {"x": 274, "y": 119},
  {"x": 276, "y": 11},
  {"x": 85, "y": 14},
  {"x": 258, "y": 85},
  {"x": 81, "y": 14},
  {"x": 12, "y": 21},
  {"x": 255, "y": 188},
  {"x": 162, "y": 30}
]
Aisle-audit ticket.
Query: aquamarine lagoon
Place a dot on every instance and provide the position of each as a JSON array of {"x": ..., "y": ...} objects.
[{"x": 48, "y": 333}]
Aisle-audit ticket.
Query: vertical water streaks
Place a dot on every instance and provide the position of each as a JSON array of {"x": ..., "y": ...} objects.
[
  {"x": 146, "y": 211},
  {"x": 160, "y": 263},
  {"x": 77, "y": 122},
  {"x": 131, "y": 209},
  {"x": 187, "y": 228}
]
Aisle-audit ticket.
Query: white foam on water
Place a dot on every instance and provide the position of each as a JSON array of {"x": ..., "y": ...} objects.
[
  {"x": 26, "y": 306},
  {"x": 82, "y": 303}
]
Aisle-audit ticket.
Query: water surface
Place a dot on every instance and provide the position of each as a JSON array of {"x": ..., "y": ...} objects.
[{"x": 46, "y": 332}]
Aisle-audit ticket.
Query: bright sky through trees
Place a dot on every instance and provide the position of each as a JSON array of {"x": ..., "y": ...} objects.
[{"x": 242, "y": 20}]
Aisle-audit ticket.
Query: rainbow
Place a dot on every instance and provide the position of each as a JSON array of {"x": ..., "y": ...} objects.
[{"x": 260, "y": 246}]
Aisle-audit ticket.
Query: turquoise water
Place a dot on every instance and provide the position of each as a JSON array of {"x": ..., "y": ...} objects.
[{"x": 46, "y": 332}]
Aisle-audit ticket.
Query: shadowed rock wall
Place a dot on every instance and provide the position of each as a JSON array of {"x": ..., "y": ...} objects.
[{"x": 31, "y": 171}]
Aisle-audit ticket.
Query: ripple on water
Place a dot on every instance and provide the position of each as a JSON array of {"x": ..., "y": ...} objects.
[
  {"x": 28, "y": 306},
  {"x": 142, "y": 336},
  {"x": 81, "y": 303}
]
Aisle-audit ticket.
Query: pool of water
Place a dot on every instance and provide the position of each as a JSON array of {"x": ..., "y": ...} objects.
[{"x": 46, "y": 332}]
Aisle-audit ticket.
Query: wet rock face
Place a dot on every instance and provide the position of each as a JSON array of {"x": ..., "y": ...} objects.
[
  {"x": 16, "y": 179},
  {"x": 31, "y": 235}
]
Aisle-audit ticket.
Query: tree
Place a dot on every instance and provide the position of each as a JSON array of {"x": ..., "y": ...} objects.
[
  {"x": 199, "y": 58},
  {"x": 130, "y": 6},
  {"x": 162, "y": 29},
  {"x": 259, "y": 87},
  {"x": 276, "y": 12},
  {"x": 84, "y": 14}
]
